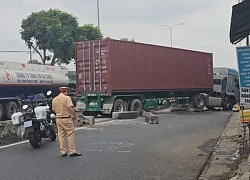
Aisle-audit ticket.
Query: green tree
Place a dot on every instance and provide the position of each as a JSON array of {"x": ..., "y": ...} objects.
[
  {"x": 126, "y": 39},
  {"x": 89, "y": 32},
  {"x": 52, "y": 31}
]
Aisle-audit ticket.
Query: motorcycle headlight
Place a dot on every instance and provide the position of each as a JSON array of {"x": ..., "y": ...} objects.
[{"x": 25, "y": 107}]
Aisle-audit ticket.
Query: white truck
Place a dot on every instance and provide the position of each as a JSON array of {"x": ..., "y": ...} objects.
[
  {"x": 226, "y": 89},
  {"x": 21, "y": 79}
]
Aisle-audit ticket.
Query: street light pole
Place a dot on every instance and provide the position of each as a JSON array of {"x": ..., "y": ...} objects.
[
  {"x": 171, "y": 30},
  {"x": 98, "y": 14},
  {"x": 171, "y": 36}
]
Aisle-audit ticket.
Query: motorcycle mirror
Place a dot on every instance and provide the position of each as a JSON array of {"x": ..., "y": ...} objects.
[
  {"x": 25, "y": 107},
  {"x": 52, "y": 116},
  {"x": 49, "y": 93}
]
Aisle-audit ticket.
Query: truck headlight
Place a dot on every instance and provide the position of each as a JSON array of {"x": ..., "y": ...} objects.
[{"x": 80, "y": 105}]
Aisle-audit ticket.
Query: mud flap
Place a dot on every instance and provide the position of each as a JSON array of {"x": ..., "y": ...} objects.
[{"x": 27, "y": 131}]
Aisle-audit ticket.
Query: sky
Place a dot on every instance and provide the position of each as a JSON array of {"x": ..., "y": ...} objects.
[{"x": 206, "y": 28}]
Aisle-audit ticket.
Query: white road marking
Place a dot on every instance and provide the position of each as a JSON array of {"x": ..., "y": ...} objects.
[
  {"x": 125, "y": 146},
  {"x": 123, "y": 151},
  {"x": 110, "y": 143},
  {"x": 100, "y": 150},
  {"x": 14, "y": 144},
  {"x": 112, "y": 147}
]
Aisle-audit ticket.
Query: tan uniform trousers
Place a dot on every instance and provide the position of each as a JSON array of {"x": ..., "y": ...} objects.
[{"x": 66, "y": 127}]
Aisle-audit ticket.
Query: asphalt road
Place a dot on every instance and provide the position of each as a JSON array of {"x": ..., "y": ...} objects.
[{"x": 175, "y": 149}]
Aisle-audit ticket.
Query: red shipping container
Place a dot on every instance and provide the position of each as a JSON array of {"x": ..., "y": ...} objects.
[{"x": 121, "y": 66}]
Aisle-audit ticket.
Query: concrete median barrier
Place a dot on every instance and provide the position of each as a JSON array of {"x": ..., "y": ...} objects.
[
  {"x": 125, "y": 115},
  {"x": 152, "y": 119},
  {"x": 89, "y": 120},
  {"x": 85, "y": 120},
  {"x": 9, "y": 133}
]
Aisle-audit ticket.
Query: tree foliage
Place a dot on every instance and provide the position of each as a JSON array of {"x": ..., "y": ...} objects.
[
  {"x": 121, "y": 39},
  {"x": 89, "y": 32},
  {"x": 126, "y": 39},
  {"x": 55, "y": 32}
]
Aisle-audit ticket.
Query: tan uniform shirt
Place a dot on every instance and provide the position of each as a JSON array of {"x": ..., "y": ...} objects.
[{"x": 60, "y": 105}]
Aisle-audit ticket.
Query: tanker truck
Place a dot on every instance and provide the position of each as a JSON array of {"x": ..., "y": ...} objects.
[
  {"x": 20, "y": 79},
  {"x": 115, "y": 76}
]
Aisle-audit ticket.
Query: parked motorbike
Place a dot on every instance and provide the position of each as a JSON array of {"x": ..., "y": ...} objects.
[{"x": 37, "y": 119}]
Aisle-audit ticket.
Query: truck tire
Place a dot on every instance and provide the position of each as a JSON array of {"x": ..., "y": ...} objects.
[
  {"x": 1, "y": 112},
  {"x": 9, "y": 109},
  {"x": 228, "y": 105},
  {"x": 119, "y": 106},
  {"x": 199, "y": 101},
  {"x": 136, "y": 105}
]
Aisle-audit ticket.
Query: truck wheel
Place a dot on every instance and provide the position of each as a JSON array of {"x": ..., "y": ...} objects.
[
  {"x": 199, "y": 101},
  {"x": 119, "y": 106},
  {"x": 9, "y": 109},
  {"x": 136, "y": 105},
  {"x": 228, "y": 105},
  {"x": 1, "y": 112}
]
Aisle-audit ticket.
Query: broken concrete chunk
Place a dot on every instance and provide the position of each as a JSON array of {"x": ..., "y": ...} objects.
[
  {"x": 85, "y": 120},
  {"x": 152, "y": 118}
]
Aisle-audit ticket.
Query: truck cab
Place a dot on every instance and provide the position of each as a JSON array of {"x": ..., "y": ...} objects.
[
  {"x": 226, "y": 87},
  {"x": 226, "y": 80}
]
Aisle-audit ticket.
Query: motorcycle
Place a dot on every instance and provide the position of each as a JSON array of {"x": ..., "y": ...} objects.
[{"x": 38, "y": 120}]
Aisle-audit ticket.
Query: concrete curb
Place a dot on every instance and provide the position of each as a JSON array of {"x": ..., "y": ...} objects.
[
  {"x": 227, "y": 160},
  {"x": 9, "y": 133},
  {"x": 152, "y": 119}
]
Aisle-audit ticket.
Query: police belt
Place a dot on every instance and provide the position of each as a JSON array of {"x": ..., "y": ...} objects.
[{"x": 65, "y": 117}]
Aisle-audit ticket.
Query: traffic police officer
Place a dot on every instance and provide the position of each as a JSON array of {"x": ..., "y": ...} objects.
[{"x": 63, "y": 107}]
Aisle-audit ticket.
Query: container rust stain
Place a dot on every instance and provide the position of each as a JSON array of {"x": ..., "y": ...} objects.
[{"x": 119, "y": 66}]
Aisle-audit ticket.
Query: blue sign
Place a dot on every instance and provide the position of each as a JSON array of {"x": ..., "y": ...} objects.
[
  {"x": 232, "y": 72},
  {"x": 243, "y": 54}
]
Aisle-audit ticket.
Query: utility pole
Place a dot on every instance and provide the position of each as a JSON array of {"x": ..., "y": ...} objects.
[
  {"x": 30, "y": 53},
  {"x": 98, "y": 14}
]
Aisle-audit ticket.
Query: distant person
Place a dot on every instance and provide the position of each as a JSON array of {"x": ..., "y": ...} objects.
[{"x": 63, "y": 107}]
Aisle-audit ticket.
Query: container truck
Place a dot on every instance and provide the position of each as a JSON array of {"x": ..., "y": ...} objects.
[
  {"x": 19, "y": 79},
  {"x": 115, "y": 76}
]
